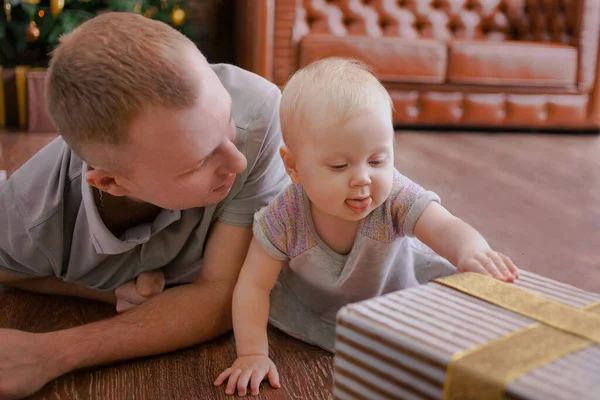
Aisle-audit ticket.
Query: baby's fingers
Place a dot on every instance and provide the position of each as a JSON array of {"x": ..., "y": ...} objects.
[
  {"x": 221, "y": 378},
  {"x": 511, "y": 266},
  {"x": 243, "y": 380},
  {"x": 233, "y": 379},
  {"x": 473, "y": 265},
  {"x": 273, "y": 376},
  {"x": 490, "y": 267},
  {"x": 257, "y": 378},
  {"x": 505, "y": 273}
]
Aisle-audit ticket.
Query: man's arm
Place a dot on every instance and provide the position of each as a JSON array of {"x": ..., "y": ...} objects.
[
  {"x": 125, "y": 297},
  {"x": 52, "y": 285},
  {"x": 177, "y": 318}
]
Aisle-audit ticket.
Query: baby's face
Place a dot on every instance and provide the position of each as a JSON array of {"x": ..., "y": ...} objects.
[{"x": 347, "y": 170}]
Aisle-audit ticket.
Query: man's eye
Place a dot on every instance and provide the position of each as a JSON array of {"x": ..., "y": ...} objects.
[{"x": 202, "y": 164}]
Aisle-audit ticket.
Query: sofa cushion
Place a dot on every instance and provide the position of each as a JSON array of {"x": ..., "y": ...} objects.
[
  {"x": 512, "y": 63},
  {"x": 392, "y": 59}
]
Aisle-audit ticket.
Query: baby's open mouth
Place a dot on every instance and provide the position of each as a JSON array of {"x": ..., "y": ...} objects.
[{"x": 359, "y": 204}]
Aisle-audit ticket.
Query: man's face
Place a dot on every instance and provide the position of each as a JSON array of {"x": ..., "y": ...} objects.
[{"x": 180, "y": 159}]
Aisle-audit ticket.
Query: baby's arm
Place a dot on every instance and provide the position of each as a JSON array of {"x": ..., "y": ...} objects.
[
  {"x": 250, "y": 318},
  {"x": 461, "y": 244}
]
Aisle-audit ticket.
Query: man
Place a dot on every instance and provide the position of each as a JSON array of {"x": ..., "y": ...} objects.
[{"x": 162, "y": 161}]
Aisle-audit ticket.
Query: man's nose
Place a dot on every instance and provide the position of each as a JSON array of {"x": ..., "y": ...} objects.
[{"x": 234, "y": 161}]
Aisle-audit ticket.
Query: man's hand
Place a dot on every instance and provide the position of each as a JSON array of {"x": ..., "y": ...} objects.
[
  {"x": 490, "y": 263},
  {"x": 249, "y": 369},
  {"x": 26, "y": 363},
  {"x": 134, "y": 293}
]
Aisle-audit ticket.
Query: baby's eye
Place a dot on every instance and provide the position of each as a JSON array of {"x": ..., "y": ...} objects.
[
  {"x": 338, "y": 167},
  {"x": 376, "y": 162}
]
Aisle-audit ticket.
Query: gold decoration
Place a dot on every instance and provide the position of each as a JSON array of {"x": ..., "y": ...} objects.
[
  {"x": 21, "y": 85},
  {"x": 56, "y": 6},
  {"x": 32, "y": 32},
  {"x": 41, "y": 13},
  {"x": 177, "y": 16},
  {"x": 164, "y": 4},
  {"x": 34, "y": 2},
  {"x": 2, "y": 110},
  {"x": 150, "y": 13},
  {"x": 7, "y": 10},
  {"x": 138, "y": 8}
]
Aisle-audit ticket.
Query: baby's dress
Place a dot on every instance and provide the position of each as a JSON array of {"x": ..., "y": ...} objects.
[{"x": 315, "y": 281}]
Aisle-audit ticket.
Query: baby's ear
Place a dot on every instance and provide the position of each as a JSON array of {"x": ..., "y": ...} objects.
[{"x": 289, "y": 161}]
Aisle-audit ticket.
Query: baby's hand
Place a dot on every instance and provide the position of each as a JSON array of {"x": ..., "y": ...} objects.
[
  {"x": 489, "y": 262},
  {"x": 251, "y": 369}
]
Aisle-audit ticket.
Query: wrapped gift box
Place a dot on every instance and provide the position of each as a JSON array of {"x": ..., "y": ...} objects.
[
  {"x": 22, "y": 100},
  {"x": 467, "y": 337}
]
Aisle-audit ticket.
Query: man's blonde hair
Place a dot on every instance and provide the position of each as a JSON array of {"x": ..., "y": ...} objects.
[
  {"x": 112, "y": 67},
  {"x": 329, "y": 90}
]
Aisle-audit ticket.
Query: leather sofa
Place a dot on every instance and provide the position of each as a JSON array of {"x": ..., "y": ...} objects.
[{"x": 519, "y": 64}]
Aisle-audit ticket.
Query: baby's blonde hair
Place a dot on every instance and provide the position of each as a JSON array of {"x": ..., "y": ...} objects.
[{"x": 329, "y": 90}]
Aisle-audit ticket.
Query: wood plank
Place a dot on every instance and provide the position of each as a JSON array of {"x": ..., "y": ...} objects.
[{"x": 534, "y": 197}]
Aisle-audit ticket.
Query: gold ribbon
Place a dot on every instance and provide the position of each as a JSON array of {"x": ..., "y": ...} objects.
[{"x": 484, "y": 371}]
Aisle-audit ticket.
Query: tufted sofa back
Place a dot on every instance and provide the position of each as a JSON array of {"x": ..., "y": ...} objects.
[
  {"x": 519, "y": 63},
  {"x": 532, "y": 20}
]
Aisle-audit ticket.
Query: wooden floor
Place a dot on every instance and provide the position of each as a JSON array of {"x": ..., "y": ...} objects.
[{"x": 534, "y": 197}]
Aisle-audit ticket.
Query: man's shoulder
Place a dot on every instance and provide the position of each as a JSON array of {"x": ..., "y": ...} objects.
[
  {"x": 250, "y": 93},
  {"x": 39, "y": 185}
]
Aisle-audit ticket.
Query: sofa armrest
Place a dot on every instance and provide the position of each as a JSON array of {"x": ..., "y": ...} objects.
[
  {"x": 255, "y": 35},
  {"x": 587, "y": 43}
]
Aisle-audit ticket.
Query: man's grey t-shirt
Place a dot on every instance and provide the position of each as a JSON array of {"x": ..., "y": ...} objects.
[{"x": 51, "y": 226}]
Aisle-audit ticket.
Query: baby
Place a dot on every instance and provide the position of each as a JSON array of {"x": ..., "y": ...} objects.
[{"x": 349, "y": 227}]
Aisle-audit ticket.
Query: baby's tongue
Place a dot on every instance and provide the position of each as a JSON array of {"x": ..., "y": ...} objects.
[{"x": 359, "y": 204}]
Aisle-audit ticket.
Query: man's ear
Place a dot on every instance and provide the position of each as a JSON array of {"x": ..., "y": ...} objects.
[
  {"x": 106, "y": 182},
  {"x": 289, "y": 161}
]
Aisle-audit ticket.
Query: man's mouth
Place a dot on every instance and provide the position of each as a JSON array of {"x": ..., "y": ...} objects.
[
  {"x": 359, "y": 204},
  {"x": 227, "y": 184}
]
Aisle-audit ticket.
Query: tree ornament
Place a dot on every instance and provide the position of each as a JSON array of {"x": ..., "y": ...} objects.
[
  {"x": 56, "y": 7},
  {"x": 150, "y": 13},
  {"x": 177, "y": 16},
  {"x": 7, "y": 10},
  {"x": 32, "y": 32}
]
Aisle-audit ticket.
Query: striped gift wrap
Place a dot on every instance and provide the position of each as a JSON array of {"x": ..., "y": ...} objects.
[{"x": 401, "y": 345}]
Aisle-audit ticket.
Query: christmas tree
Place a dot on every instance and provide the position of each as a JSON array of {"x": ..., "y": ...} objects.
[{"x": 30, "y": 29}]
